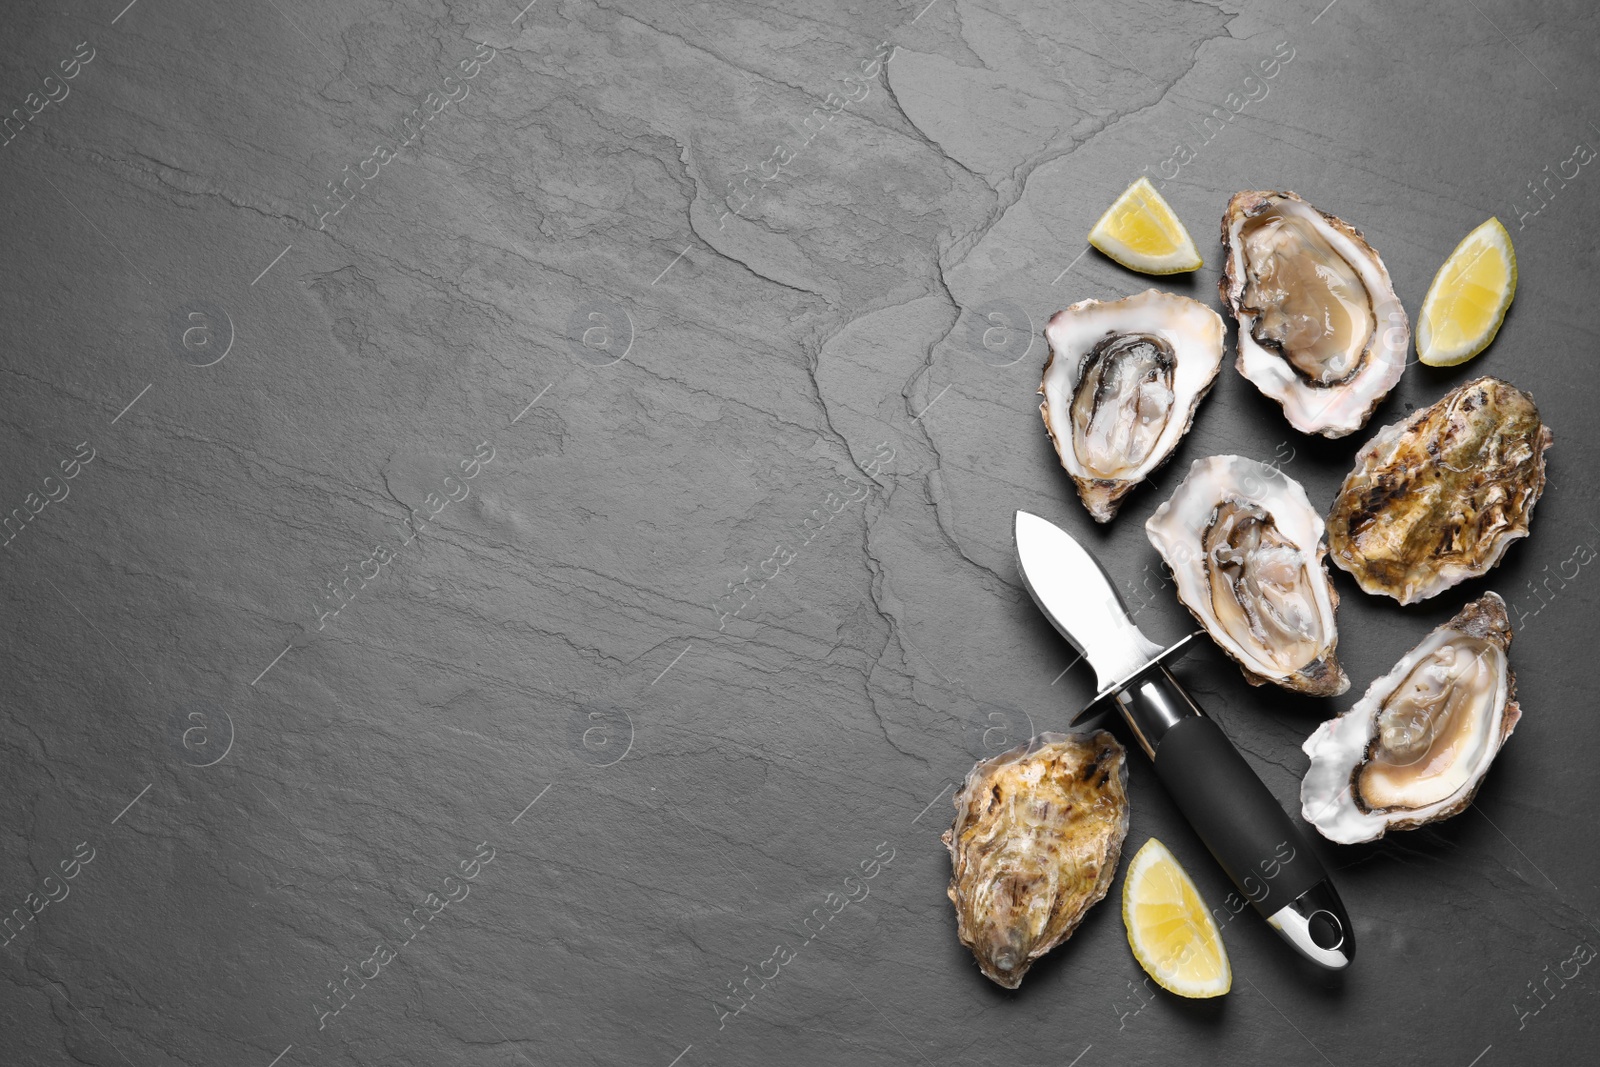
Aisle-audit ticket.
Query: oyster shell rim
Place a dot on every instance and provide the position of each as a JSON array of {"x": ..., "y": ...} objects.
[
  {"x": 1354, "y": 730},
  {"x": 1282, "y": 385},
  {"x": 1102, "y": 497},
  {"x": 1330, "y": 680}
]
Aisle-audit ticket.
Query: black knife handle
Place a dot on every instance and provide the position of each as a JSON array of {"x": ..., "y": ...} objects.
[{"x": 1252, "y": 837}]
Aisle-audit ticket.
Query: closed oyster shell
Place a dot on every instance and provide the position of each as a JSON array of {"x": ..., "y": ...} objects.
[
  {"x": 1321, "y": 330},
  {"x": 1416, "y": 746},
  {"x": 1121, "y": 387},
  {"x": 1035, "y": 844},
  {"x": 1438, "y": 498},
  {"x": 1244, "y": 547}
]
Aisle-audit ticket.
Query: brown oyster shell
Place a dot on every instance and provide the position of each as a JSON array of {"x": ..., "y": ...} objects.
[
  {"x": 1438, "y": 498},
  {"x": 1035, "y": 844}
]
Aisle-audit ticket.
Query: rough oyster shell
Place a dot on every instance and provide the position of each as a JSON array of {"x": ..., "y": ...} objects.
[
  {"x": 1321, "y": 330},
  {"x": 1415, "y": 748},
  {"x": 1244, "y": 547},
  {"x": 1121, "y": 387},
  {"x": 1035, "y": 844},
  {"x": 1438, "y": 498}
]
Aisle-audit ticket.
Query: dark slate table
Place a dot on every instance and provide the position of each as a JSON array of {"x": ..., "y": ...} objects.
[{"x": 510, "y": 521}]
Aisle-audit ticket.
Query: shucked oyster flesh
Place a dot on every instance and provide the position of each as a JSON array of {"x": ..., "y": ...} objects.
[
  {"x": 1438, "y": 498},
  {"x": 1244, "y": 548},
  {"x": 1121, "y": 386},
  {"x": 1035, "y": 845},
  {"x": 1321, "y": 330},
  {"x": 1415, "y": 748}
]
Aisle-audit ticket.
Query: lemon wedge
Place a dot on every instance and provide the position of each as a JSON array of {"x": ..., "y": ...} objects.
[
  {"x": 1143, "y": 233},
  {"x": 1469, "y": 297},
  {"x": 1169, "y": 928}
]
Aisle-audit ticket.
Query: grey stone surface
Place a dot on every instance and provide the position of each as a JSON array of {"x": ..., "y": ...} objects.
[{"x": 810, "y": 367}]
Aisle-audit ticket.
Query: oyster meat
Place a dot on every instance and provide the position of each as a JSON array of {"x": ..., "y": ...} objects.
[
  {"x": 1244, "y": 547},
  {"x": 1121, "y": 386},
  {"x": 1438, "y": 498},
  {"x": 1035, "y": 845},
  {"x": 1415, "y": 748},
  {"x": 1321, "y": 330}
]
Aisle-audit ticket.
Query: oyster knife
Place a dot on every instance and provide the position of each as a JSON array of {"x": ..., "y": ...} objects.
[{"x": 1254, "y": 840}]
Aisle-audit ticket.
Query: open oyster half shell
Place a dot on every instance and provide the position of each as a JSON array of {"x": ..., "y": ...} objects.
[
  {"x": 1035, "y": 844},
  {"x": 1416, "y": 747},
  {"x": 1121, "y": 387},
  {"x": 1321, "y": 330},
  {"x": 1244, "y": 547},
  {"x": 1438, "y": 498}
]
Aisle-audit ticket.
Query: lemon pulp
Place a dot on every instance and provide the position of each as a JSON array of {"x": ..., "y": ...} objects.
[
  {"x": 1142, "y": 232},
  {"x": 1469, "y": 297},
  {"x": 1170, "y": 929}
]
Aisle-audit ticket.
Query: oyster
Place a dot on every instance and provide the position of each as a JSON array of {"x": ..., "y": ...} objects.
[
  {"x": 1321, "y": 330},
  {"x": 1415, "y": 748},
  {"x": 1121, "y": 386},
  {"x": 1035, "y": 844},
  {"x": 1438, "y": 498},
  {"x": 1244, "y": 547}
]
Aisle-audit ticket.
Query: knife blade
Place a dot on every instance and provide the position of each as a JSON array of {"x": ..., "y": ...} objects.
[
  {"x": 1079, "y": 600},
  {"x": 1241, "y": 823}
]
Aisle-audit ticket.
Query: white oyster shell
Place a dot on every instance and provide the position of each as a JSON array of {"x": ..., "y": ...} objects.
[
  {"x": 1415, "y": 747},
  {"x": 1321, "y": 330},
  {"x": 1244, "y": 546},
  {"x": 1121, "y": 386}
]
